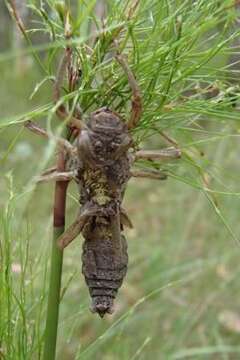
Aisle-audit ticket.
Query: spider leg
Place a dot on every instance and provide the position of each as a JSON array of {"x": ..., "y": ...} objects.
[{"x": 136, "y": 110}]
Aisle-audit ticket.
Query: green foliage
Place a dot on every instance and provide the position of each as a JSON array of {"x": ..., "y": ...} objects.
[{"x": 181, "y": 53}]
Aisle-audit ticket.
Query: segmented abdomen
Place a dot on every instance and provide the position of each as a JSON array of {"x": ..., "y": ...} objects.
[{"x": 104, "y": 266}]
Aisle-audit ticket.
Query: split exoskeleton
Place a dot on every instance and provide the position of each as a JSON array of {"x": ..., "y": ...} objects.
[{"x": 101, "y": 160}]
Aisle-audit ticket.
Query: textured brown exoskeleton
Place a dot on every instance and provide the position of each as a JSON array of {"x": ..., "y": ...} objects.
[
  {"x": 102, "y": 175},
  {"x": 100, "y": 160}
]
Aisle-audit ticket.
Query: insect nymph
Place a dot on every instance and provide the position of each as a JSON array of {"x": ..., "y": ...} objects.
[
  {"x": 103, "y": 172},
  {"x": 101, "y": 161}
]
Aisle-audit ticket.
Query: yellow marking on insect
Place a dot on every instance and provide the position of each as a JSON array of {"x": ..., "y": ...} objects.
[
  {"x": 101, "y": 199},
  {"x": 97, "y": 183},
  {"x": 101, "y": 195}
]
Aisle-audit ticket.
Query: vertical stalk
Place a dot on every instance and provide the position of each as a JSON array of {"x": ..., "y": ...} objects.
[
  {"x": 58, "y": 211},
  {"x": 56, "y": 266},
  {"x": 58, "y": 214},
  {"x": 50, "y": 339}
]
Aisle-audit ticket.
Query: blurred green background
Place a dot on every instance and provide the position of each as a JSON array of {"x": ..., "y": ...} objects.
[{"x": 180, "y": 298}]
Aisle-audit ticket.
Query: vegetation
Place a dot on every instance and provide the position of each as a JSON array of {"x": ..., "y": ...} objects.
[{"x": 180, "y": 297}]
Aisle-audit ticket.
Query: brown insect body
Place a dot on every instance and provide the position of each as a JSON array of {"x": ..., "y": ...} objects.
[
  {"x": 103, "y": 267},
  {"x": 103, "y": 175},
  {"x": 100, "y": 163}
]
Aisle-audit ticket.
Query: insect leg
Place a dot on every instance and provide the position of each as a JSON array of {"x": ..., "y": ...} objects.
[
  {"x": 62, "y": 143},
  {"x": 61, "y": 110},
  {"x": 124, "y": 219},
  {"x": 54, "y": 175},
  {"x": 136, "y": 110},
  {"x": 74, "y": 230},
  {"x": 30, "y": 125},
  {"x": 163, "y": 154},
  {"x": 149, "y": 173},
  {"x": 153, "y": 155},
  {"x": 49, "y": 170}
]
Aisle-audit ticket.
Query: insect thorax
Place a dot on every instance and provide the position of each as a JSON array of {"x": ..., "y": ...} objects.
[{"x": 103, "y": 149}]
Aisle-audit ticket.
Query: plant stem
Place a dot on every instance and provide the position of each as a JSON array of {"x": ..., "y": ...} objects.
[{"x": 56, "y": 266}]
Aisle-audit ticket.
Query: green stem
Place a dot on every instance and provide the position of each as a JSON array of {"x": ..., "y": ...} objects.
[
  {"x": 58, "y": 229},
  {"x": 53, "y": 298},
  {"x": 56, "y": 268}
]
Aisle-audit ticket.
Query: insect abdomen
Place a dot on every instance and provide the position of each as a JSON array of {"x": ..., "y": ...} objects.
[{"x": 104, "y": 266}]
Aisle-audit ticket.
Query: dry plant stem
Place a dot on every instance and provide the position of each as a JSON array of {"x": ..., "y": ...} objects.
[
  {"x": 59, "y": 79},
  {"x": 136, "y": 110},
  {"x": 17, "y": 17},
  {"x": 14, "y": 13}
]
